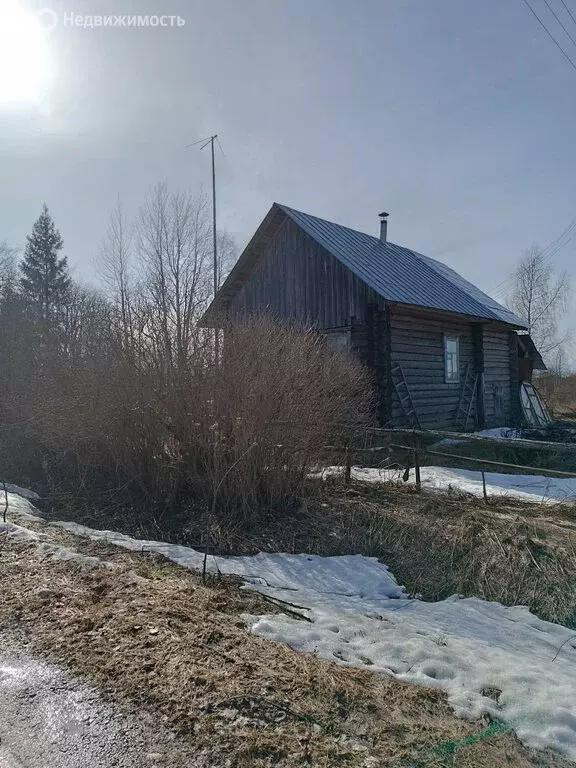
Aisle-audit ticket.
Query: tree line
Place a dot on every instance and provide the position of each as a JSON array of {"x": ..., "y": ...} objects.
[{"x": 111, "y": 398}]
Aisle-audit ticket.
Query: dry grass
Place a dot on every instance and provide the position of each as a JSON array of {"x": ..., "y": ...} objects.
[
  {"x": 515, "y": 554},
  {"x": 150, "y": 634},
  {"x": 439, "y": 545},
  {"x": 560, "y": 394},
  {"x": 436, "y": 544}
]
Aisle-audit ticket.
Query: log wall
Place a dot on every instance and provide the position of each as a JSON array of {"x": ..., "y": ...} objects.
[
  {"x": 417, "y": 344},
  {"x": 299, "y": 280},
  {"x": 500, "y": 376}
]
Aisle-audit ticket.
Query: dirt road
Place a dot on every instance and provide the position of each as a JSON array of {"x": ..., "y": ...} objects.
[{"x": 49, "y": 720}]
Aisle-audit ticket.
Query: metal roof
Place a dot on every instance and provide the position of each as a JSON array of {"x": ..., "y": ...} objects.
[
  {"x": 398, "y": 274},
  {"x": 529, "y": 348}
]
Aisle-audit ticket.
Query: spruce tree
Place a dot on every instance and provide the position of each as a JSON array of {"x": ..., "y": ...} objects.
[{"x": 45, "y": 281}]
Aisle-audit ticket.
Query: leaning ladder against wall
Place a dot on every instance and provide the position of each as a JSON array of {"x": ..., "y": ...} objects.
[
  {"x": 467, "y": 399},
  {"x": 406, "y": 402}
]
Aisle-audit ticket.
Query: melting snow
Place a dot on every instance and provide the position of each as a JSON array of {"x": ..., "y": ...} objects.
[
  {"x": 353, "y": 575},
  {"x": 360, "y": 617},
  {"x": 17, "y": 532},
  {"x": 463, "y": 646},
  {"x": 20, "y": 508},
  {"x": 533, "y": 488},
  {"x": 508, "y": 433}
]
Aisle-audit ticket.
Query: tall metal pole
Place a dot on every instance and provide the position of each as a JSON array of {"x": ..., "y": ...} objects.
[
  {"x": 205, "y": 143},
  {"x": 214, "y": 218},
  {"x": 215, "y": 244}
]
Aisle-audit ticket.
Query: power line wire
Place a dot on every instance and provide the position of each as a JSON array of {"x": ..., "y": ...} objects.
[
  {"x": 561, "y": 241},
  {"x": 559, "y": 20},
  {"x": 568, "y": 11},
  {"x": 566, "y": 237},
  {"x": 550, "y": 35},
  {"x": 554, "y": 250}
]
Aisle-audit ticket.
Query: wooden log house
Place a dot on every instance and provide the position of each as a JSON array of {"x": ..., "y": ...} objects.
[{"x": 444, "y": 354}]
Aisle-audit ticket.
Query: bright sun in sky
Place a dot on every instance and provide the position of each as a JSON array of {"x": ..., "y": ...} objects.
[{"x": 24, "y": 55}]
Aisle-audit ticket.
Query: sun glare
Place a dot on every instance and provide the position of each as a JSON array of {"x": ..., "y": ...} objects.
[{"x": 24, "y": 57}]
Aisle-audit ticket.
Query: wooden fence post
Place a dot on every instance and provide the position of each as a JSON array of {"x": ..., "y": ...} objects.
[
  {"x": 484, "y": 491},
  {"x": 348, "y": 468},
  {"x": 417, "y": 471}
]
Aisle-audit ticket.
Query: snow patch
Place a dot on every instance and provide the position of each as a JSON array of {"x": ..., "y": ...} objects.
[
  {"x": 14, "y": 531},
  {"x": 361, "y": 617},
  {"x": 20, "y": 512},
  {"x": 353, "y": 575},
  {"x": 66, "y": 555},
  {"x": 462, "y": 646},
  {"x": 26, "y": 493},
  {"x": 19, "y": 505},
  {"x": 507, "y": 433},
  {"x": 532, "y": 488}
]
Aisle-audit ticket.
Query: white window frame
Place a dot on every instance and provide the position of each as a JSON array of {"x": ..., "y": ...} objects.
[
  {"x": 338, "y": 339},
  {"x": 452, "y": 371}
]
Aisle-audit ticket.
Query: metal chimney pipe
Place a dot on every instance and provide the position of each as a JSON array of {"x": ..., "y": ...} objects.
[{"x": 383, "y": 226}]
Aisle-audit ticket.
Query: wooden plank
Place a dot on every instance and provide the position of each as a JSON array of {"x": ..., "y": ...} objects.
[
  {"x": 487, "y": 462},
  {"x": 436, "y": 387},
  {"x": 432, "y": 346},
  {"x": 451, "y": 435}
]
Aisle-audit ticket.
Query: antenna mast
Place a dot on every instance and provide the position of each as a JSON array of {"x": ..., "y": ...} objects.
[
  {"x": 214, "y": 235},
  {"x": 210, "y": 140}
]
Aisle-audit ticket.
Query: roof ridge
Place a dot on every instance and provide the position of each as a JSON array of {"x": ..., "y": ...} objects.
[
  {"x": 288, "y": 209},
  {"x": 395, "y": 272}
]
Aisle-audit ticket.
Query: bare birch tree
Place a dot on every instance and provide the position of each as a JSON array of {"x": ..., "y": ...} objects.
[
  {"x": 227, "y": 255},
  {"x": 540, "y": 296},
  {"x": 174, "y": 246},
  {"x": 8, "y": 271},
  {"x": 115, "y": 268}
]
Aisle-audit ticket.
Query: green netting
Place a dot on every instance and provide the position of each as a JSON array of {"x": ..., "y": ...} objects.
[{"x": 496, "y": 728}]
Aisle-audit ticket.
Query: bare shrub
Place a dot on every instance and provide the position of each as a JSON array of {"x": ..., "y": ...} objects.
[
  {"x": 127, "y": 405},
  {"x": 230, "y": 443},
  {"x": 280, "y": 397}
]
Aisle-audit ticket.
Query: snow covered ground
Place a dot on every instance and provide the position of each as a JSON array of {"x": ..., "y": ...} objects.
[
  {"x": 360, "y": 617},
  {"x": 534, "y": 488},
  {"x": 508, "y": 433},
  {"x": 21, "y": 510}
]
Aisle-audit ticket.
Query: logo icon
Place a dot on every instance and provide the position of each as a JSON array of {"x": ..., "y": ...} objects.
[{"x": 48, "y": 19}]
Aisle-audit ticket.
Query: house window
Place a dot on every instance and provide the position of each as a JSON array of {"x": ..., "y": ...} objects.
[
  {"x": 452, "y": 359},
  {"x": 339, "y": 340}
]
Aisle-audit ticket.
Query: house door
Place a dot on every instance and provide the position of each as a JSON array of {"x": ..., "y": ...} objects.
[{"x": 499, "y": 410}]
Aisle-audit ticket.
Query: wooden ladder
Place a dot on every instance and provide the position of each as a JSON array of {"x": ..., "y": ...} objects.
[
  {"x": 401, "y": 387},
  {"x": 467, "y": 399}
]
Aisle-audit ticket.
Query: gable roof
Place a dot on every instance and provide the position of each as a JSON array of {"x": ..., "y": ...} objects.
[{"x": 397, "y": 274}]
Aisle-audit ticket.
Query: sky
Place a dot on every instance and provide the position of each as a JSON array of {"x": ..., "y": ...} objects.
[{"x": 456, "y": 117}]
